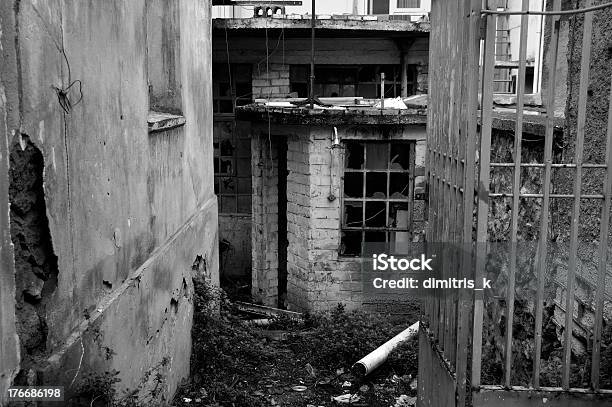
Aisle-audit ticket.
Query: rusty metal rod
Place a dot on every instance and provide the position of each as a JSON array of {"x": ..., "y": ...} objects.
[
  {"x": 548, "y": 13},
  {"x": 313, "y": 21}
]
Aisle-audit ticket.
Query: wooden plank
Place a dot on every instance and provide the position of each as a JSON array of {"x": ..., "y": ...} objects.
[
  {"x": 575, "y": 225},
  {"x": 603, "y": 255},
  {"x": 516, "y": 187},
  {"x": 483, "y": 193},
  {"x": 543, "y": 243}
]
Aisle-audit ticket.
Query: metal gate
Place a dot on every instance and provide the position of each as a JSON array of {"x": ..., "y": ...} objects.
[{"x": 463, "y": 210}]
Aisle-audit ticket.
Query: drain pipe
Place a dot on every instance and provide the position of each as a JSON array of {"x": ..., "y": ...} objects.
[
  {"x": 382, "y": 90},
  {"x": 373, "y": 360}
]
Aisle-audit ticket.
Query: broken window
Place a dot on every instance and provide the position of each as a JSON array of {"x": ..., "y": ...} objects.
[
  {"x": 351, "y": 80},
  {"x": 232, "y": 166},
  {"x": 231, "y": 86},
  {"x": 378, "y": 194}
]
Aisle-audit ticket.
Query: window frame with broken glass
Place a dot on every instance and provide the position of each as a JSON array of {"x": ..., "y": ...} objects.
[{"x": 366, "y": 226}]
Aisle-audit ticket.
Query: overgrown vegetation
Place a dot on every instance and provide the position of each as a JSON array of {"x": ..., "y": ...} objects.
[{"x": 235, "y": 364}]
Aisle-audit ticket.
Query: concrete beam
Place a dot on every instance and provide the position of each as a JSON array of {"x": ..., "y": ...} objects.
[{"x": 338, "y": 23}]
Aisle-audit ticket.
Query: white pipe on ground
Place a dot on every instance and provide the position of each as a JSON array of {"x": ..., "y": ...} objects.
[{"x": 369, "y": 363}]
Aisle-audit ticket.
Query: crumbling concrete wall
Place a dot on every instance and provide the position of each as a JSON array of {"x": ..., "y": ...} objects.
[
  {"x": 35, "y": 261},
  {"x": 9, "y": 342},
  {"x": 128, "y": 211}
]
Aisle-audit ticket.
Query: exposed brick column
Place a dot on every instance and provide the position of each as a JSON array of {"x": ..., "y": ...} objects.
[{"x": 264, "y": 233}]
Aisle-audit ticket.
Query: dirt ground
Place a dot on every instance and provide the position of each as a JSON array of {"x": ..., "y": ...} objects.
[{"x": 295, "y": 364}]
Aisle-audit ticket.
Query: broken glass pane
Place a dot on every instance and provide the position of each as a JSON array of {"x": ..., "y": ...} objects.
[
  {"x": 399, "y": 185},
  {"x": 375, "y": 214},
  {"x": 376, "y": 185},
  {"x": 398, "y": 215},
  {"x": 227, "y": 166},
  {"x": 375, "y": 237},
  {"x": 350, "y": 244},
  {"x": 228, "y": 185},
  {"x": 353, "y": 185},
  {"x": 354, "y": 155},
  {"x": 227, "y": 148},
  {"x": 400, "y": 156},
  {"x": 377, "y": 156},
  {"x": 353, "y": 214}
]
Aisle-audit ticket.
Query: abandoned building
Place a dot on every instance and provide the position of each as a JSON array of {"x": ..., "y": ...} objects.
[
  {"x": 325, "y": 182},
  {"x": 269, "y": 58}
]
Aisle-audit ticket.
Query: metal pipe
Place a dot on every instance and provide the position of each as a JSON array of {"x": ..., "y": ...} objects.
[
  {"x": 370, "y": 362},
  {"x": 313, "y": 19},
  {"x": 382, "y": 90}
]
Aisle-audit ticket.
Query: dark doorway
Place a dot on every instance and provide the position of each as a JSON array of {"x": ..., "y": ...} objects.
[{"x": 282, "y": 223}]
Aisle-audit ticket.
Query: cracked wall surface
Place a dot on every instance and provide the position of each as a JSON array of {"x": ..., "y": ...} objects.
[
  {"x": 127, "y": 211},
  {"x": 35, "y": 262}
]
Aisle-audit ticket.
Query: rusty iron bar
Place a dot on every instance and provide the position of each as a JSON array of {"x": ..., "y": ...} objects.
[
  {"x": 557, "y": 196},
  {"x": 555, "y": 165},
  {"x": 313, "y": 22},
  {"x": 575, "y": 225},
  {"x": 603, "y": 254},
  {"x": 483, "y": 193},
  {"x": 548, "y": 13},
  {"x": 518, "y": 137},
  {"x": 469, "y": 127}
]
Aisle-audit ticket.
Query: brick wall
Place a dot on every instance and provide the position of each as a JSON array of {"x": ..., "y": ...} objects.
[
  {"x": 271, "y": 81},
  {"x": 298, "y": 221},
  {"x": 318, "y": 277},
  {"x": 264, "y": 228}
]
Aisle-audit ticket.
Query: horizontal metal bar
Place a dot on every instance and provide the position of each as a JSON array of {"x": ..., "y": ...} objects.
[
  {"x": 361, "y": 200},
  {"x": 547, "y": 13},
  {"x": 542, "y": 165},
  {"x": 561, "y": 196},
  {"x": 544, "y": 389}
]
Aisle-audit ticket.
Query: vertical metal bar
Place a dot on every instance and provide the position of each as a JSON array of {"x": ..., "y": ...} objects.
[
  {"x": 575, "y": 225},
  {"x": 411, "y": 169},
  {"x": 516, "y": 187},
  {"x": 483, "y": 192},
  {"x": 471, "y": 17},
  {"x": 313, "y": 20},
  {"x": 603, "y": 254},
  {"x": 382, "y": 90},
  {"x": 546, "y": 189}
]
